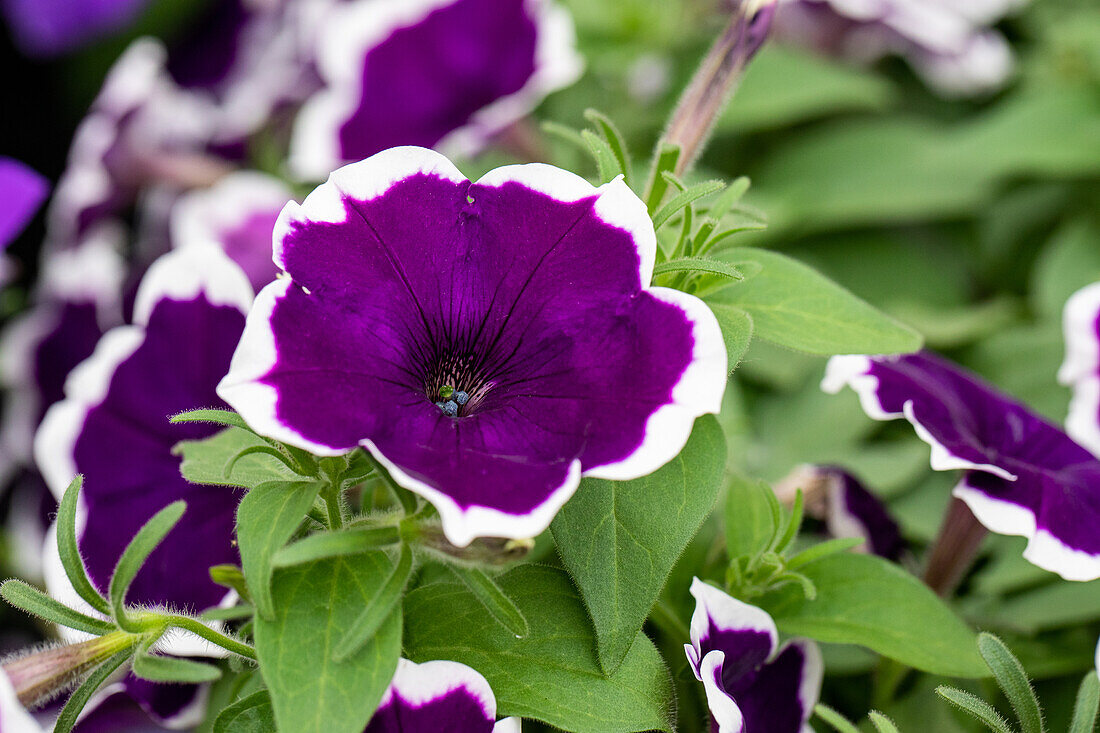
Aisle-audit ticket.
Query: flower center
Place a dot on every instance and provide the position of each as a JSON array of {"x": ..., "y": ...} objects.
[{"x": 455, "y": 385}]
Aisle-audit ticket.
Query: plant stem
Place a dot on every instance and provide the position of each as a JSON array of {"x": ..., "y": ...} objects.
[
  {"x": 954, "y": 550},
  {"x": 214, "y": 637},
  {"x": 331, "y": 495}
]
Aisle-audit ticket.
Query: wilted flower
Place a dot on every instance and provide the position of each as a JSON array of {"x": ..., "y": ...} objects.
[
  {"x": 1081, "y": 369},
  {"x": 487, "y": 342},
  {"x": 428, "y": 72},
  {"x": 752, "y": 683},
  {"x": 948, "y": 43},
  {"x": 435, "y": 696},
  {"x": 1023, "y": 475}
]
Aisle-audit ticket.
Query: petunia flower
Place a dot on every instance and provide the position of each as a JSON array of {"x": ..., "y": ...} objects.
[
  {"x": 432, "y": 73},
  {"x": 487, "y": 342},
  {"x": 113, "y": 428},
  {"x": 238, "y": 213},
  {"x": 1081, "y": 368},
  {"x": 1023, "y": 475},
  {"x": 22, "y": 191},
  {"x": 846, "y": 506},
  {"x": 949, "y": 44},
  {"x": 14, "y": 718},
  {"x": 752, "y": 683},
  {"x": 438, "y": 697},
  {"x": 51, "y": 27}
]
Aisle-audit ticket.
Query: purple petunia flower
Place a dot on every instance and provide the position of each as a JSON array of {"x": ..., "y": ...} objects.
[
  {"x": 487, "y": 342},
  {"x": 437, "y": 697},
  {"x": 846, "y": 506},
  {"x": 1023, "y": 475},
  {"x": 113, "y": 427},
  {"x": 22, "y": 191},
  {"x": 1081, "y": 369},
  {"x": 948, "y": 43},
  {"x": 752, "y": 683},
  {"x": 50, "y": 27},
  {"x": 238, "y": 213},
  {"x": 428, "y": 72}
]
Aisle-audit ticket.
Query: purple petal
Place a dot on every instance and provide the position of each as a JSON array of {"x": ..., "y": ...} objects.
[
  {"x": 171, "y": 705},
  {"x": 1081, "y": 369},
  {"x": 50, "y": 27},
  {"x": 13, "y": 716},
  {"x": 726, "y": 716},
  {"x": 435, "y": 697},
  {"x": 112, "y": 427},
  {"x": 853, "y": 511},
  {"x": 745, "y": 634},
  {"x": 22, "y": 191},
  {"x": 780, "y": 696},
  {"x": 1024, "y": 475},
  {"x": 407, "y": 276},
  {"x": 239, "y": 214},
  {"x": 429, "y": 72}
]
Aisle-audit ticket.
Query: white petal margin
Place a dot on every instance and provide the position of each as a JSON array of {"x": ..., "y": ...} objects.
[
  {"x": 854, "y": 371},
  {"x": 1081, "y": 368},
  {"x": 718, "y": 608},
  {"x": 722, "y": 707},
  {"x": 813, "y": 672},
  {"x": 178, "y": 642},
  {"x": 187, "y": 272},
  {"x": 364, "y": 180},
  {"x": 207, "y": 215},
  {"x": 420, "y": 684},
  {"x": 351, "y": 30},
  {"x": 1043, "y": 549},
  {"x": 463, "y": 526},
  {"x": 14, "y": 718}
]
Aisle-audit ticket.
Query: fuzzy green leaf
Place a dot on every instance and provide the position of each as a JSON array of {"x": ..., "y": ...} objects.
[
  {"x": 699, "y": 264},
  {"x": 838, "y": 722},
  {"x": 134, "y": 556},
  {"x": 1012, "y": 680},
  {"x": 685, "y": 198},
  {"x": 228, "y": 418},
  {"x": 76, "y": 702},
  {"x": 380, "y": 608},
  {"x": 1086, "y": 705},
  {"x": 37, "y": 603},
  {"x": 331, "y": 544},
  {"x": 495, "y": 601},
  {"x": 156, "y": 668},
  {"x": 882, "y": 723},
  {"x": 752, "y": 516},
  {"x": 614, "y": 138},
  {"x": 606, "y": 163},
  {"x": 736, "y": 327},
  {"x": 976, "y": 707},
  {"x": 252, "y": 714},
  {"x": 204, "y": 461},
  {"x": 70, "y": 553}
]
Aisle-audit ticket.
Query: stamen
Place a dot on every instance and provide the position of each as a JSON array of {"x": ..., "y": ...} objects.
[
  {"x": 460, "y": 397},
  {"x": 449, "y": 408}
]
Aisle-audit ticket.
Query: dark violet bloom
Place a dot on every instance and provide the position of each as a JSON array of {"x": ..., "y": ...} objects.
[
  {"x": 22, "y": 191},
  {"x": 847, "y": 507},
  {"x": 112, "y": 427},
  {"x": 1023, "y": 475},
  {"x": 446, "y": 73},
  {"x": 752, "y": 683},
  {"x": 14, "y": 718},
  {"x": 438, "y": 697},
  {"x": 527, "y": 290},
  {"x": 948, "y": 43},
  {"x": 1081, "y": 369},
  {"x": 49, "y": 27},
  {"x": 238, "y": 213}
]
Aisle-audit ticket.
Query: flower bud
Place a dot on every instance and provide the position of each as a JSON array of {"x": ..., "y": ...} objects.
[{"x": 41, "y": 675}]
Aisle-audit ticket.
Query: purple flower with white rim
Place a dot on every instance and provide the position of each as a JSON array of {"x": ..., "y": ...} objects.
[
  {"x": 51, "y": 27},
  {"x": 23, "y": 191},
  {"x": 948, "y": 43},
  {"x": 14, "y": 718},
  {"x": 1081, "y": 368},
  {"x": 438, "y": 697},
  {"x": 113, "y": 428},
  {"x": 1023, "y": 475},
  {"x": 238, "y": 213},
  {"x": 752, "y": 683},
  {"x": 114, "y": 709},
  {"x": 528, "y": 291},
  {"x": 434, "y": 73}
]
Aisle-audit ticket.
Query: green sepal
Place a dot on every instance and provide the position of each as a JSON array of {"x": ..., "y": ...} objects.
[
  {"x": 134, "y": 556},
  {"x": 76, "y": 702},
  {"x": 1013, "y": 681},
  {"x": 974, "y": 706},
  {"x": 614, "y": 138},
  {"x": 69, "y": 550},
  {"x": 157, "y": 668},
  {"x": 37, "y": 603}
]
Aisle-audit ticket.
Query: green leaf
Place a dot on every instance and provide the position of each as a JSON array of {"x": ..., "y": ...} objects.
[
  {"x": 664, "y": 160},
  {"x": 823, "y": 549},
  {"x": 315, "y": 606},
  {"x": 614, "y": 139},
  {"x": 252, "y": 714},
  {"x": 69, "y": 551},
  {"x": 37, "y": 603},
  {"x": 882, "y": 723},
  {"x": 267, "y": 517},
  {"x": 699, "y": 264},
  {"x": 156, "y": 668},
  {"x": 685, "y": 198},
  {"x": 736, "y": 327},
  {"x": 1085, "y": 708},
  {"x": 552, "y": 674},
  {"x": 204, "y": 461},
  {"x": 499, "y": 605},
  {"x": 380, "y": 608},
  {"x": 835, "y": 719},
  {"x": 606, "y": 163},
  {"x": 752, "y": 516},
  {"x": 227, "y": 418},
  {"x": 620, "y": 539},
  {"x": 76, "y": 702},
  {"x": 975, "y": 706},
  {"x": 332, "y": 544},
  {"x": 1013, "y": 682},
  {"x": 794, "y": 306},
  {"x": 231, "y": 576},
  {"x": 858, "y": 602},
  {"x": 135, "y": 555}
]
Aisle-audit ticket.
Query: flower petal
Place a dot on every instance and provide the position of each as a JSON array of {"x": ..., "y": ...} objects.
[
  {"x": 726, "y": 716},
  {"x": 1081, "y": 368},
  {"x": 435, "y": 697},
  {"x": 853, "y": 511},
  {"x": 780, "y": 696},
  {"x": 22, "y": 191},
  {"x": 745, "y": 634}
]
